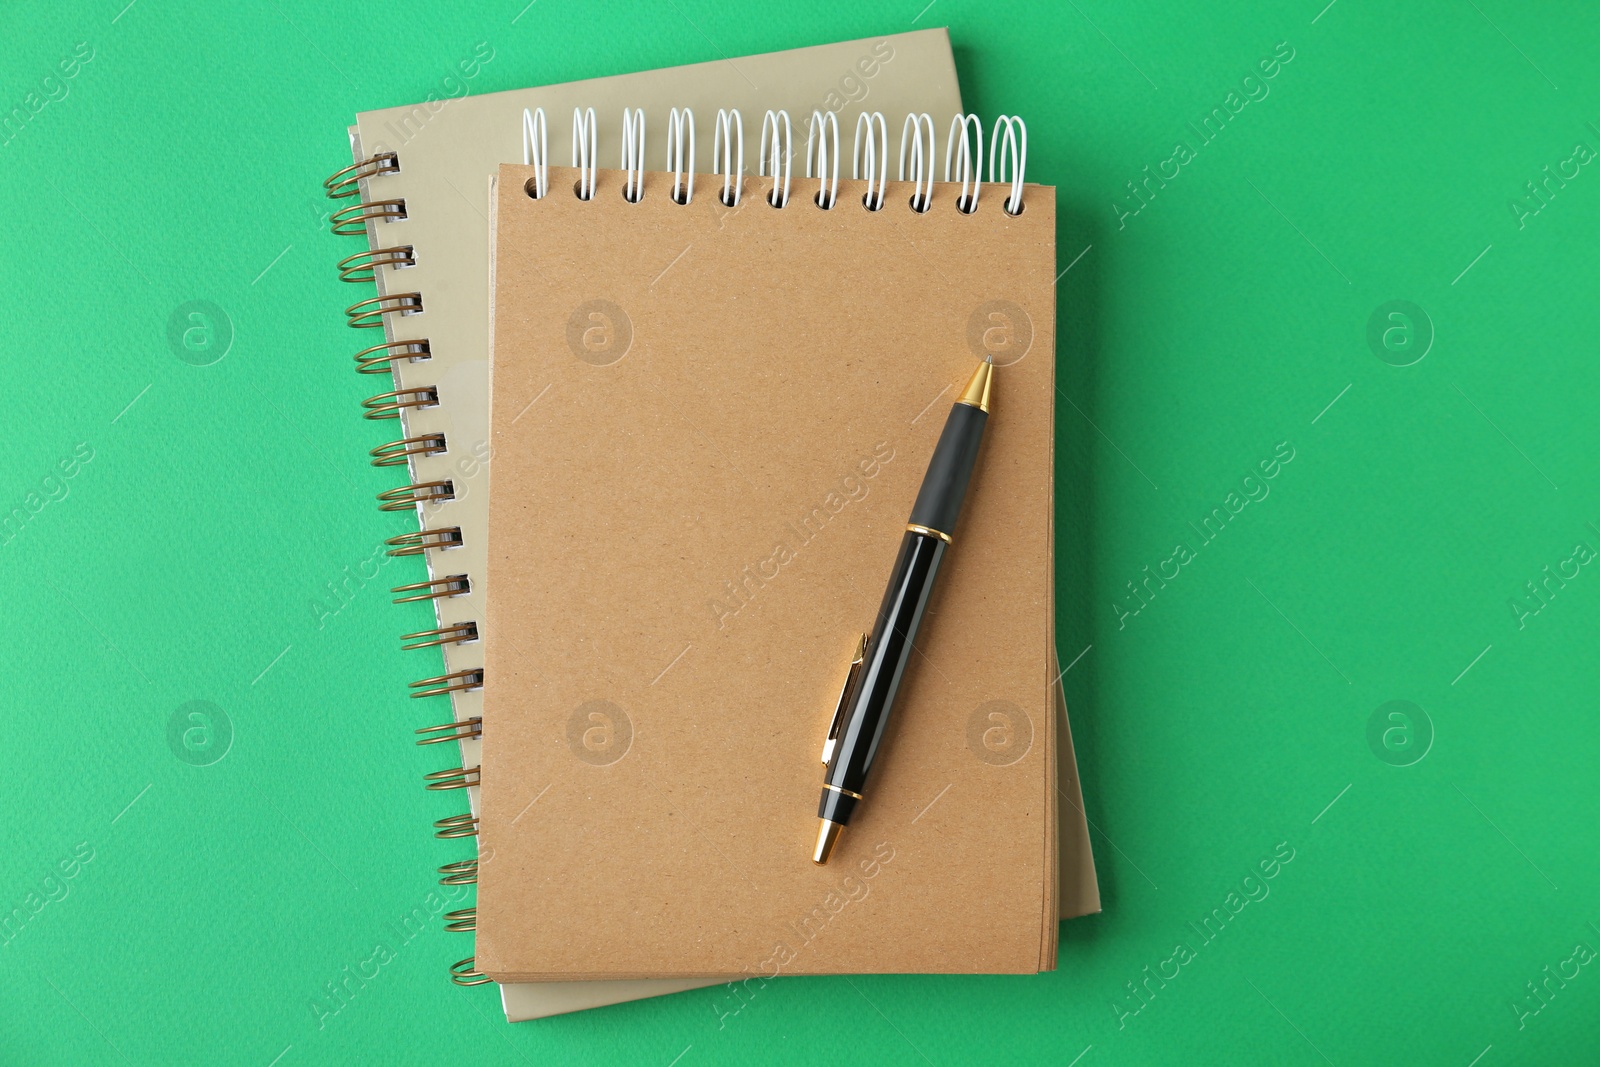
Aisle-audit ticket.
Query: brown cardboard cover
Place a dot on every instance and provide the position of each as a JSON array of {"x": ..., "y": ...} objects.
[{"x": 708, "y": 427}]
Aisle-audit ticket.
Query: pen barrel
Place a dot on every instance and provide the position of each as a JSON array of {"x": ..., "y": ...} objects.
[
  {"x": 944, "y": 487},
  {"x": 872, "y": 698}
]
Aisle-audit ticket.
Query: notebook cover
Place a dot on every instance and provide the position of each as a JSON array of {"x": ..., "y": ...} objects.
[{"x": 690, "y": 400}]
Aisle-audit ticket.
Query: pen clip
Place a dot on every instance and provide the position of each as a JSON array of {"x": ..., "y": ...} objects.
[{"x": 856, "y": 659}]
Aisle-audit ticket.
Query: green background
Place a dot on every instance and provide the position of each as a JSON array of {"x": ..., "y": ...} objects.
[{"x": 1231, "y": 714}]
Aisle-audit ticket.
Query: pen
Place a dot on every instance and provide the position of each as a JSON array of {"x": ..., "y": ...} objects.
[{"x": 880, "y": 660}]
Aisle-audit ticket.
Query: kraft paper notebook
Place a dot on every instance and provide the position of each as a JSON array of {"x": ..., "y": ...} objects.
[
  {"x": 709, "y": 422},
  {"x": 423, "y": 160}
]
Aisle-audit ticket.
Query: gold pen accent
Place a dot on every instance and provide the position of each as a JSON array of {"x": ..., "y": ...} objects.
[
  {"x": 838, "y": 712},
  {"x": 930, "y": 531},
  {"x": 976, "y": 394},
  {"x": 827, "y": 836},
  {"x": 846, "y": 792}
]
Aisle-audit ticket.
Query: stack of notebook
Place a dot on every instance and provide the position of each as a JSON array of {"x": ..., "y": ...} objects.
[{"x": 663, "y": 425}]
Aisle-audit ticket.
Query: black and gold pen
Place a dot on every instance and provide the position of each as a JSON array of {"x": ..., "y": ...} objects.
[{"x": 880, "y": 660}]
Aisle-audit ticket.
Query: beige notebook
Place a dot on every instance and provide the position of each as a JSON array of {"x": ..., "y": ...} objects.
[
  {"x": 440, "y": 155},
  {"x": 709, "y": 423}
]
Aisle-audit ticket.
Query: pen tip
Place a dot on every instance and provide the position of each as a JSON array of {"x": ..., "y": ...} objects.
[
  {"x": 976, "y": 394},
  {"x": 827, "y": 837}
]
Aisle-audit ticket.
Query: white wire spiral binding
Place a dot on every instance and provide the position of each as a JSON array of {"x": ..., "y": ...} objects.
[
  {"x": 782, "y": 157},
  {"x": 536, "y": 150},
  {"x": 818, "y": 151},
  {"x": 1008, "y": 151},
  {"x": 1014, "y": 146},
  {"x": 970, "y": 169},
  {"x": 633, "y": 154},
  {"x": 680, "y": 161},
  {"x": 584, "y": 142},
  {"x": 921, "y": 159},
  {"x": 877, "y": 162},
  {"x": 723, "y": 160}
]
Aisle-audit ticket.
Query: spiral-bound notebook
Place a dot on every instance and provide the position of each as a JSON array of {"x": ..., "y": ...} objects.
[
  {"x": 422, "y": 207},
  {"x": 709, "y": 422}
]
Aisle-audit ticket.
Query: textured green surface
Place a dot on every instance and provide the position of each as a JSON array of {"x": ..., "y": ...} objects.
[{"x": 1229, "y": 718}]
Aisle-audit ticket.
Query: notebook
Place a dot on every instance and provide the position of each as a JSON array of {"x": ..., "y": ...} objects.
[
  {"x": 425, "y": 174},
  {"x": 709, "y": 423},
  {"x": 440, "y": 158}
]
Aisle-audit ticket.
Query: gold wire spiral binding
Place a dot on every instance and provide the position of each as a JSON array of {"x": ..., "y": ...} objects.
[
  {"x": 380, "y": 359},
  {"x": 352, "y": 221},
  {"x": 388, "y": 405},
  {"x": 414, "y": 544},
  {"x": 465, "y": 730},
  {"x": 362, "y": 267},
  {"x": 343, "y": 183},
  {"x": 455, "y": 633},
  {"x": 454, "y": 778},
  {"x": 398, "y": 453},
  {"x": 368, "y": 314},
  {"x": 465, "y": 972},
  {"x": 461, "y": 872},
  {"x": 367, "y": 363},
  {"x": 465, "y": 825},
  {"x": 454, "y": 585},
  {"x": 408, "y": 497},
  {"x": 454, "y": 682}
]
